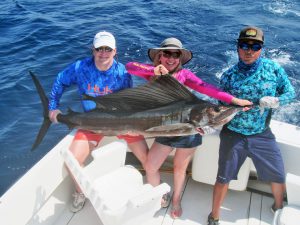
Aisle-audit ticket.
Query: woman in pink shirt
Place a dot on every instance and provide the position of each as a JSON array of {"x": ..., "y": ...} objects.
[{"x": 168, "y": 59}]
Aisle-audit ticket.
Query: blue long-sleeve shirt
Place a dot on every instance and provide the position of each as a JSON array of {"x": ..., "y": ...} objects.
[
  {"x": 90, "y": 81},
  {"x": 269, "y": 79}
]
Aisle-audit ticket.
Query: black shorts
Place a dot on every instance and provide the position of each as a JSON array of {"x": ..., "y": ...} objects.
[{"x": 190, "y": 141}]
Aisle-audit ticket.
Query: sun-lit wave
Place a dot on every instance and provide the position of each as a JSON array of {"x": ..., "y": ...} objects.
[
  {"x": 281, "y": 7},
  {"x": 232, "y": 59},
  {"x": 281, "y": 57},
  {"x": 288, "y": 113}
]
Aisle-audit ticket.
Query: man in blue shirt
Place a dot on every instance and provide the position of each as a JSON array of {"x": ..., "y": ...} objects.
[
  {"x": 248, "y": 134},
  {"x": 98, "y": 75}
]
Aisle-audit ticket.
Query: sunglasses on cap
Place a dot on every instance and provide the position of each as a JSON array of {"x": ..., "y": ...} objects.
[
  {"x": 168, "y": 54},
  {"x": 245, "y": 46},
  {"x": 103, "y": 49}
]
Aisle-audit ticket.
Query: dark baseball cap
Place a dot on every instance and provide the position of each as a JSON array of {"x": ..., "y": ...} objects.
[{"x": 251, "y": 34}]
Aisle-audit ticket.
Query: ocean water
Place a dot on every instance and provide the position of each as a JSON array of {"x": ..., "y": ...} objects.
[{"x": 44, "y": 36}]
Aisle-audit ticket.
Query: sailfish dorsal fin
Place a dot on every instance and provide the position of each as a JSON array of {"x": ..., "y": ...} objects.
[{"x": 158, "y": 92}]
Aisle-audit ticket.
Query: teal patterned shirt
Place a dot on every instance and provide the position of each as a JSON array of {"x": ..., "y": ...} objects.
[{"x": 269, "y": 79}]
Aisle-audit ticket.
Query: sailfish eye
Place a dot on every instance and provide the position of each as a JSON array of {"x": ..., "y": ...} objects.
[{"x": 217, "y": 109}]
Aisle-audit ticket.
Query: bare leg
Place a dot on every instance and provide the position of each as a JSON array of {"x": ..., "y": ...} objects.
[
  {"x": 181, "y": 161},
  {"x": 220, "y": 191},
  {"x": 278, "y": 190},
  {"x": 156, "y": 156},
  {"x": 140, "y": 150},
  {"x": 81, "y": 150}
]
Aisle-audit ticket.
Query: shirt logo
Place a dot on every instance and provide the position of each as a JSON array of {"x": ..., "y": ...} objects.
[{"x": 97, "y": 90}]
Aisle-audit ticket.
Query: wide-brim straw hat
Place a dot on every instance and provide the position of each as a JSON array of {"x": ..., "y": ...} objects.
[{"x": 172, "y": 44}]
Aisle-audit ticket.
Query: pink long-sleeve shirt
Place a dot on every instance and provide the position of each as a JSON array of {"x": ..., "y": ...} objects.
[{"x": 185, "y": 77}]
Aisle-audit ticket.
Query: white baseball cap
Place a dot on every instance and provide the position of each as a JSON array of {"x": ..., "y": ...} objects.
[{"x": 104, "y": 38}]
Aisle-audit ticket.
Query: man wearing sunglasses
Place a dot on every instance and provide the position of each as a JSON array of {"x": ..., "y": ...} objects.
[
  {"x": 97, "y": 75},
  {"x": 265, "y": 84}
]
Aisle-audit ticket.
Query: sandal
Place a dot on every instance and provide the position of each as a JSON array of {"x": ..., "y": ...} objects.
[
  {"x": 211, "y": 220},
  {"x": 176, "y": 211},
  {"x": 165, "y": 200},
  {"x": 274, "y": 209}
]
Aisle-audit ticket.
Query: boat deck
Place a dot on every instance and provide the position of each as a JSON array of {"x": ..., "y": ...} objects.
[{"x": 239, "y": 208}]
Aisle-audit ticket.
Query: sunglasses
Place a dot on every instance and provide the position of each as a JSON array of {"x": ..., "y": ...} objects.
[
  {"x": 103, "y": 49},
  {"x": 245, "y": 46},
  {"x": 168, "y": 54}
]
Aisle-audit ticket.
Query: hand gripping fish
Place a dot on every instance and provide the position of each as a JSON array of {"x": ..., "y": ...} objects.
[{"x": 161, "y": 107}]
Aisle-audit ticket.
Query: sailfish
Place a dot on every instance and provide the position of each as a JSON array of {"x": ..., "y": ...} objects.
[{"x": 161, "y": 107}]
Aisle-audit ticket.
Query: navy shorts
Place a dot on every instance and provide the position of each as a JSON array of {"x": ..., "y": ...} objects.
[
  {"x": 261, "y": 148},
  {"x": 189, "y": 141}
]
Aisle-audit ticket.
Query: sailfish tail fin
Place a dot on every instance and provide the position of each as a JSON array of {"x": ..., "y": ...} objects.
[{"x": 47, "y": 122}]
